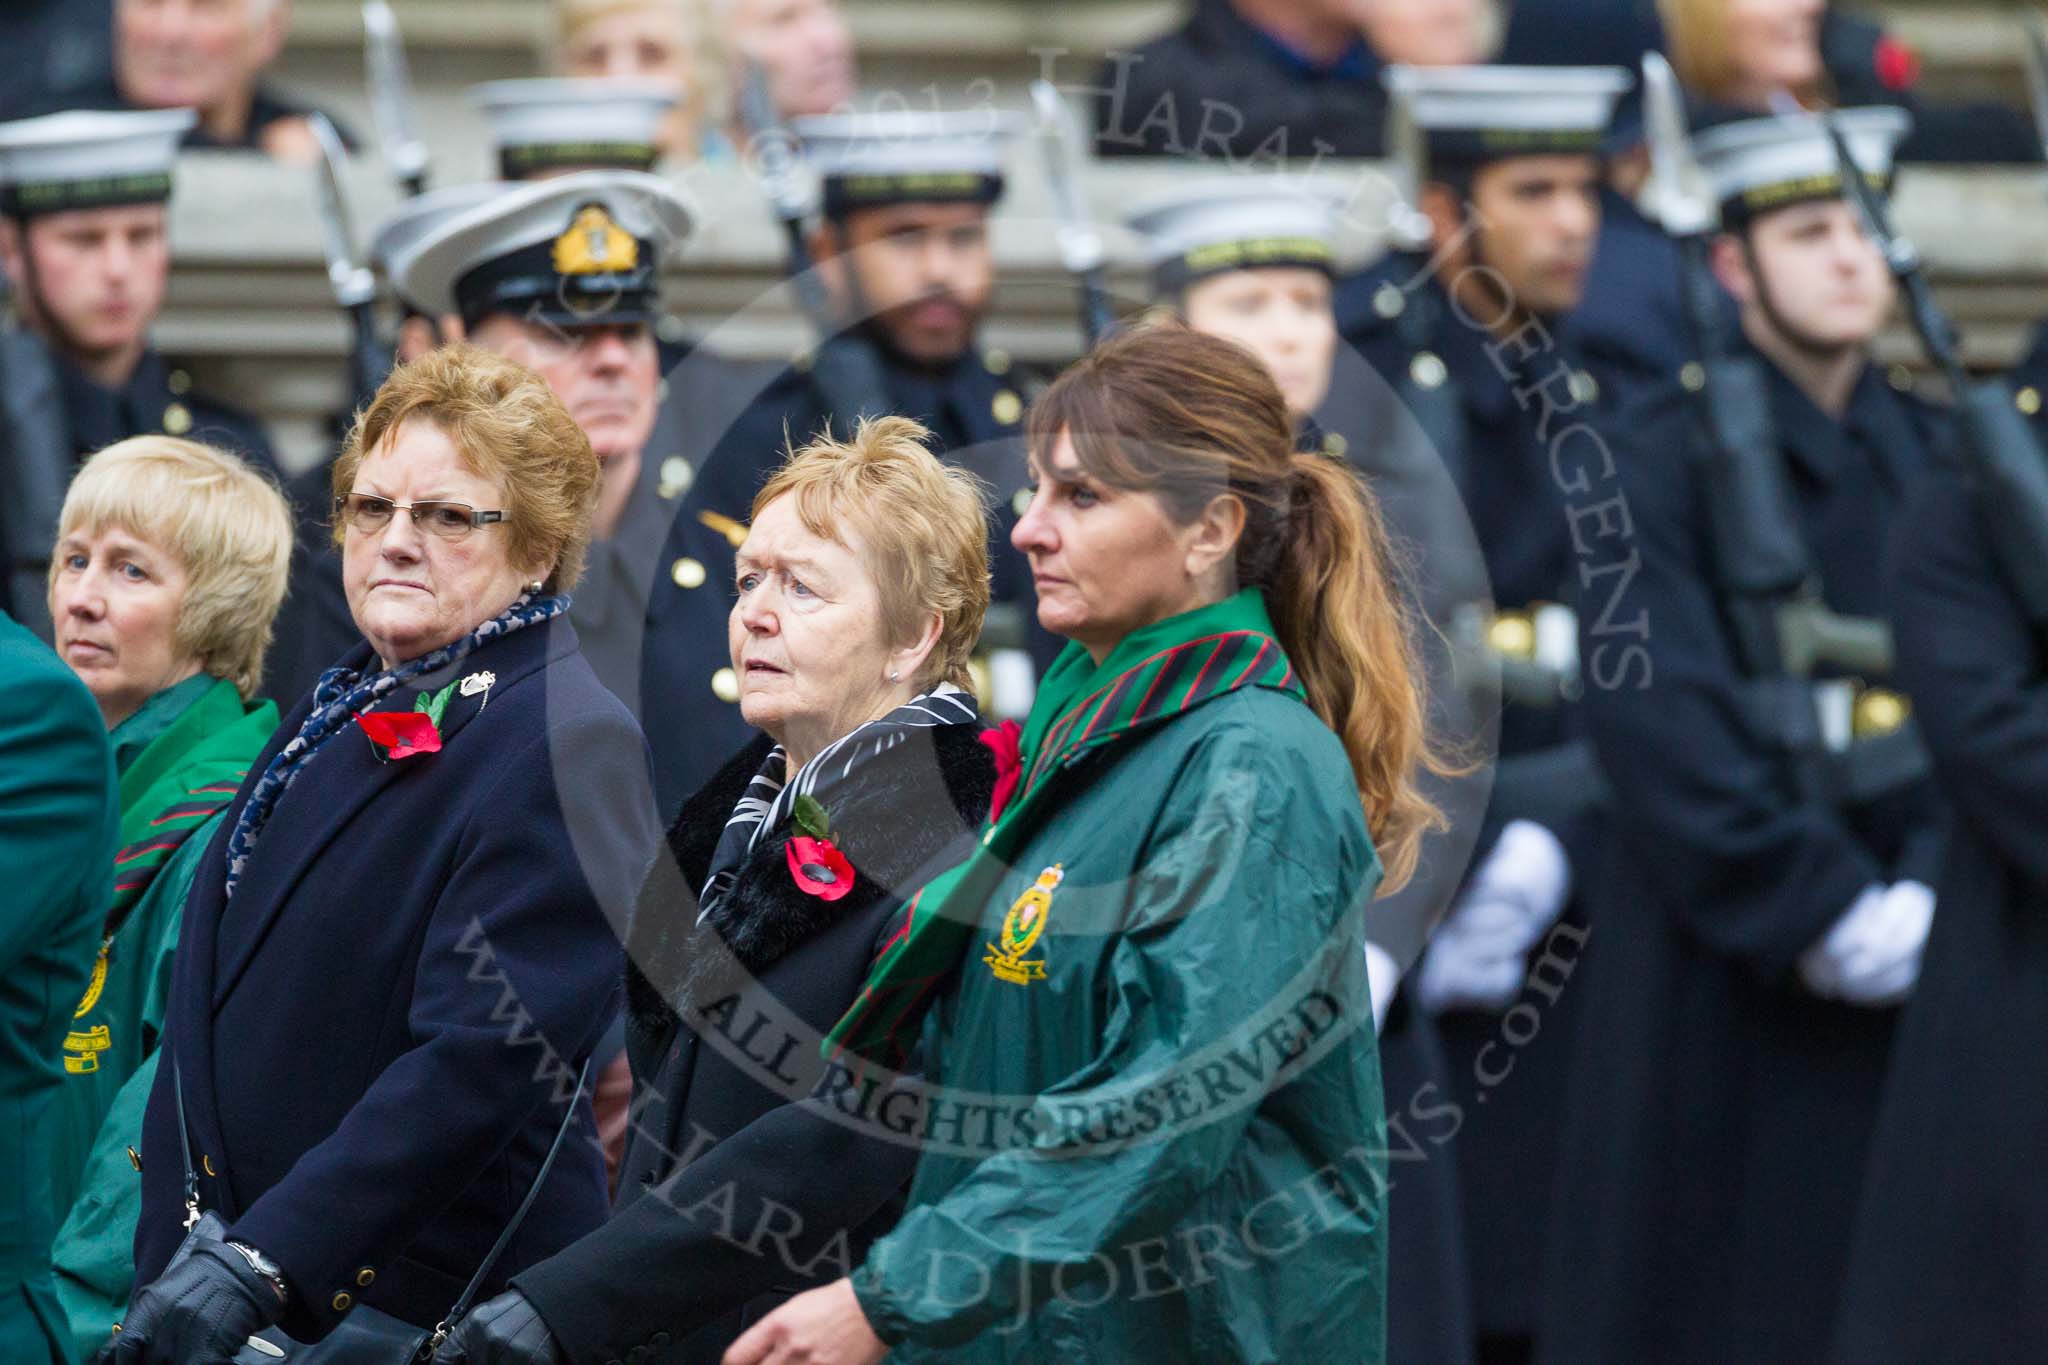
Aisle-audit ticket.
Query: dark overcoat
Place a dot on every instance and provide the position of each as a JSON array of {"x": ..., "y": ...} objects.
[
  {"x": 377, "y": 1033},
  {"x": 744, "y": 1180},
  {"x": 1951, "y": 1242},
  {"x": 1720, "y": 1109}
]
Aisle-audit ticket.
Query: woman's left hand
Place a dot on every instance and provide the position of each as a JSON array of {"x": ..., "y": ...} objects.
[
  {"x": 819, "y": 1327},
  {"x": 202, "y": 1308}
]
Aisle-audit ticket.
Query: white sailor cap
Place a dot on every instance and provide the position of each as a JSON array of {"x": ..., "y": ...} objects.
[
  {"x": 1760, "y": 164},
  {"x": 579, "y": 250},
  {"x": 544, "y": 127},
  {"x": 1235, "y": 226},
  {"x": 907, "y": 156},
  {"x": 1469, "y": 115},
  {"x": 82, "y": 160},
  {"x": 421, "y": 214}
]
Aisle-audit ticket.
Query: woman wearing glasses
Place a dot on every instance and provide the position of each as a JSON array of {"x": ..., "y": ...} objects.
[{"x": 397, "y": 953}]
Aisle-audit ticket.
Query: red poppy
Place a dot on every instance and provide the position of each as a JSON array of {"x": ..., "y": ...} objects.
[
  {"x": 820, "y": 869},
  {"x": 1898, "y": 66},
  {"x": 1006, "y": 743},
  {"x": 401, "y": 733}
]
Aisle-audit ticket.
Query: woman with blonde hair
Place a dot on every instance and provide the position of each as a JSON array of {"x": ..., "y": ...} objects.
[
  {"x": 1147, "y": 1036},
  {"x": 675, "y": 42},
  {"x": 168, "y": 571},
  {"x": 167, "y": 574}
]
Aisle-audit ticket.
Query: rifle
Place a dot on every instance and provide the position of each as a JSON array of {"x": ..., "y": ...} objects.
[
  {"x": 1081, "y": 249},
  {"x": 390, "y": 86},
  {"x": 2005, "y": 461},
  {"x": 1764, "y": 577},
  {"x": 35, "y": 467},
  {"x": 846, "y": 371},
  {"x": 355, "y": 288}
]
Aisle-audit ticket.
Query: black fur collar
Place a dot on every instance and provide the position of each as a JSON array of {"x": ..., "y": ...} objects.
[{"x": 894, "y": 817}]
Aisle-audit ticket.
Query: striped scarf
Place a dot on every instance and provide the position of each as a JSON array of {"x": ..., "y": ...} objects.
[
  {"x": 339, "y": 697},
  {"x": 137, "y": 865},
  {"x": 768, "y": 800}
]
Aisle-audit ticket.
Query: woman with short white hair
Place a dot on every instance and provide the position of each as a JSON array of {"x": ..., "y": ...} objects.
[{"x": 169, "y": 567}]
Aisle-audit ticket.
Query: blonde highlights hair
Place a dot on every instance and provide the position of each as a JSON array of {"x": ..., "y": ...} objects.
[
  {"x": 226, "y": 524},
  {"x": 507, "y": 425},
  {"x": 1188, "y": 418},
  {"x": 1697, "y": 38},
  {"x": 707, "y": 97},
  {"x": 922, "y": 524}
]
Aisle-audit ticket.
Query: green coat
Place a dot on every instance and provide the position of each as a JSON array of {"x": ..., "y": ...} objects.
[
  {"x": 57, "y": 828},
  {"x": 1154, "y": 1132},
  {"x": 181, "y": 758}
]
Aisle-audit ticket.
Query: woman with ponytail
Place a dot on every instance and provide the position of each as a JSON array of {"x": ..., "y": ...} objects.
[{"x": 1151, "y": 1124}]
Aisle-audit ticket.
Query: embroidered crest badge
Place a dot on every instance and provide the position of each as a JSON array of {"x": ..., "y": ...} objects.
[{"x": 1021, "y": 928}]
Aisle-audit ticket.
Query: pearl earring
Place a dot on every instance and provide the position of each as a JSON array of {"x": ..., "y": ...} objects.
[
  {"x": 895, "y": 677},
  {"x": 535, "y": 586}
]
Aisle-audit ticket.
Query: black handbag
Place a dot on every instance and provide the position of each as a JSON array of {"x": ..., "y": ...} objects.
[{"x": 366, "y": 1336}]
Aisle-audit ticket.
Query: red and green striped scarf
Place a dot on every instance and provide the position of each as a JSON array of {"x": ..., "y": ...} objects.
[
  {"x": 1154, "y": 674},
  {"x": 182, "y": 757},
  {"x": 136, "y": 865}
]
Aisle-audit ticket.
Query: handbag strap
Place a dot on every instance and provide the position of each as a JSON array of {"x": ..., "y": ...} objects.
[
  {"x": 476, "y": 1282},
  {"x": 185, "y": 1147}
]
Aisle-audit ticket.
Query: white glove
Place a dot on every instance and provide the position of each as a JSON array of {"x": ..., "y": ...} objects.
[
  {"x": 1477, "y": 959},
  {"x": 1383, "y": 974},
  {"x": 1872, "y": 954}
]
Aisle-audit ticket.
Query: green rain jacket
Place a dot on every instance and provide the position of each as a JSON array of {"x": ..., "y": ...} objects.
[
  {"x": 181, "y": 757},
  {"x": 56, "y": 835},
  {"x": 1154, "y": 1127}
]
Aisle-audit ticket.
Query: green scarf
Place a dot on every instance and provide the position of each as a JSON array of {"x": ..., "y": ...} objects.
[
  {"x": 1154, "y": 674},
  {"x": 182, "y": 757}
]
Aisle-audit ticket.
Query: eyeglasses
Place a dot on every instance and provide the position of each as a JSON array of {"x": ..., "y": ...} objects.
[{"x": 448, "y": 520}]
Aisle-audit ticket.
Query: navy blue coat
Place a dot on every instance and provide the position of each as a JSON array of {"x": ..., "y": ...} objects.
[
  {"x": 376, "y": 1034},
  {"x": 1720, "y": 1110},
  {"x": 1952, "y": 1237}
]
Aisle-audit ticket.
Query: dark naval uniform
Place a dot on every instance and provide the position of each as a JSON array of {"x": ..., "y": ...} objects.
[
  {"x": 689, "y": 696},
  {"x": 1221, "y": 87},
  {"x": 51, "y": 414},
  {"x": 1722, "y": 1110},
  {"x": 1430, "y": 1317},
  {"x": 1520, "y": 515},
  {"x": 1952, "y": 1234},
  {"x": 1629, "y": 329}
]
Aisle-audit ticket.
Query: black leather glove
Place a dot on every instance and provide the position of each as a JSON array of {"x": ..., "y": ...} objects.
[
  {"x": 507, "y": 1330},
  {"x": 198, "y": 1312}
]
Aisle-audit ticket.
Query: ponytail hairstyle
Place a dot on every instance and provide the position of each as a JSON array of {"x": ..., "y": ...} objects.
[{"x": 1188, "y": 418}]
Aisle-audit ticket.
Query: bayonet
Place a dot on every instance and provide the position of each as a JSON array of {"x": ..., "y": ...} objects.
[
  {"x": 355, "y": 287},
  {"x": 1408, "y": 227},
  {"x": 390, "y": 84},
  {"x": 352, "y": 282},
  {"x": 1677, "y": 197},
  {"x": 1080, "y": 243},
  {"x": 2037, "y": 71}
]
